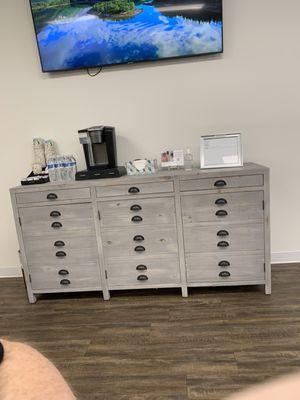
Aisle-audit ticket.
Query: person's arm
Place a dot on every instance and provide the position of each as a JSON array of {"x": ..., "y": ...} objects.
[
  {"x": 1, "y": 352},
  {"x": 286, "y": 388},
  {"x": 27, "y": 375}
]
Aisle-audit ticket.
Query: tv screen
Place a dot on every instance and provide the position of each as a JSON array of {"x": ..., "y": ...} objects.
[{"x": 74, "y": 34}]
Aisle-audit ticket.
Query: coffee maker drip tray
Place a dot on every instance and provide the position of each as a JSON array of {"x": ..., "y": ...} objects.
[{"x": 100, "y": 173}]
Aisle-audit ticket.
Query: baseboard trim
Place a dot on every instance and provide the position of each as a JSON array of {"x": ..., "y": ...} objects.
[
  {"x": 276, "y": 258},
  {"x": 289, "y": 257},
  {"x": 10, "y": 272}
]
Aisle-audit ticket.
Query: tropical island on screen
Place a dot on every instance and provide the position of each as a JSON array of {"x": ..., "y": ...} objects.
[
  {"x": 75, "y": 34},
  {"x": 102, "y": 8}
]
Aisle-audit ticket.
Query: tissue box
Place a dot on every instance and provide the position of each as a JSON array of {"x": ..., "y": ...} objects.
[{"x": 141, "y": 167}]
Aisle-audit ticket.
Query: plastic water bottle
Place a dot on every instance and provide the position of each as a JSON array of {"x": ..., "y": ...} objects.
[
  {"x": 56, "y": 171},
  {"x": 62, "y": 168},
  {"x": 70, "y": 175},
  {"x": 59, "y": 170},
  {"x": 65, "y": 168},
  {"x": 68, "y": 167},
  {"x": 73, "y": 168},
  {"x": 51, "y": 169}
]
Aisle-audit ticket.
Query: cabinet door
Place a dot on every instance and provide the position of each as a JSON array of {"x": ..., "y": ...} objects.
[{"x": 61, "y": 247}]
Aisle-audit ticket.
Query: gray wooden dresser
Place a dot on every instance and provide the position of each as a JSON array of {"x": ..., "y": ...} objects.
[{"x": 172, "y": 229}]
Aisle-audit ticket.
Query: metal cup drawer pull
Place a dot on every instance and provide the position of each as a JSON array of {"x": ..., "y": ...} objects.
[
  {"x": 133, "y": 190},
  {"x": 141, "y": 267},
  {"x": 65, "y": 282},
  {"x": 220, "y": 183},
  {"x": 224, "y": 274},
  {"x": 136, "y": 207},
  {"x": 56, "y": 225},
  {"x": 221, "y": 213},
  {"x": 224, "y": 263},
  {"x": 55, "y": 214},
  {"x": 52, "y": 196},
  {"x": 221, "y": 202},
  {"x": 142, "y": 278},
  {"x": 139, "y": 249},
  {"x": 139, "y": 238},
  {"x": 223, "y": 244},
  {"x": 59, "y": 243},
  {"x": 63, "y": 272},
  {"x": 61, "y": 254},
  {"x": 223, "y": 233},
  {"x": 137, "y": 218}
]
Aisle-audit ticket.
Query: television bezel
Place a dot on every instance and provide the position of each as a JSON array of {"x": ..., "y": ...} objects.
[{"x": 127, "y": 62}]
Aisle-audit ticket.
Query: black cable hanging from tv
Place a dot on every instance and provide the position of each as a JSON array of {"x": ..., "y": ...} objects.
[{"x": 96, "y": 73}]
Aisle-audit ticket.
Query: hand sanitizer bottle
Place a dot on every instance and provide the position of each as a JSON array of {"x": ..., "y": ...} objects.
[{"x": 188, "y": 160}]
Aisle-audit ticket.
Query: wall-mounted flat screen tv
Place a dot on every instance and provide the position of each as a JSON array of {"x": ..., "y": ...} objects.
[{"x": 74, "y": 34}]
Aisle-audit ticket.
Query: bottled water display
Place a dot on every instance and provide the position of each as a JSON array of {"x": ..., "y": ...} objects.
[{"x": 62, "y": 168}]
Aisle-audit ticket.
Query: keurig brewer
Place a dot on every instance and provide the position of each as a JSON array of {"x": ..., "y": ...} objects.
[{"x": 99, "y": 146}]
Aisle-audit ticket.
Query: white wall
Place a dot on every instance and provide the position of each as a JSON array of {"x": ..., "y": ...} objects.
[{"x": 253, "y": 88}]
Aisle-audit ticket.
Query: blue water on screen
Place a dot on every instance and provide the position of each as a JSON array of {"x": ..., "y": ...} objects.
[{"x": 84, "y": 39}]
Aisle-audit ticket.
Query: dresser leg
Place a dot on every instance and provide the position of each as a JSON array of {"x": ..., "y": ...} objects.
[
  {"x": 184, "y": 291},
  {"x": 31, "y": 298},
  {"x": 106, "y": 294},
  {"x": 268, "y": 288}
]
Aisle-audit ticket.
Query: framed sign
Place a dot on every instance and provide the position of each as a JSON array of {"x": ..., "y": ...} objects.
[
  {"x": 172, "y": 158},
  {"x": 221, "y": 151}
]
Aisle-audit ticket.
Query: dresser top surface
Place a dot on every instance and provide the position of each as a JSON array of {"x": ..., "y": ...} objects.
[{"x": 161, "y": 175}]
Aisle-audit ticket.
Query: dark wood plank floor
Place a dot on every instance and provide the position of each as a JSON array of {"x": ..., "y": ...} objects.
[{"x": 155, "y": 345}]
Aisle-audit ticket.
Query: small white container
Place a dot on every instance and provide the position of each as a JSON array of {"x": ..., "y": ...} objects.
[
  {"x": 188, "y": 160},
  {"x": 37, "y": 168}
]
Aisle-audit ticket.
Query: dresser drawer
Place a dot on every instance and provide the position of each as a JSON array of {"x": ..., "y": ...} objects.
[
  {"x": 63, "y": 242},
  {"x": 227, "y": 267},
  {"x": 57, "y": 228},
  {"x": 61, "y": 256},
  {"x": 222, "y": 238},
  {"x": 145, "y": 272},
  {"x": 137, "y": 212},
  {"x": 51, "y": 196},
  {"x": 228, "y": 207},
  {"x": 57, "y": 220},
  {"x": 56, "y": 213},
  {"x": 139, "y": 242},
  {"x": 135, "y": 189},
  {"x": 65, "y": 278},
  {"x": 221, "y": 183}
]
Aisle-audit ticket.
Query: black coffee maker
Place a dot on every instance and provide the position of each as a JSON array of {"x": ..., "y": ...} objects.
[{"x": 99, "y": 146}]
